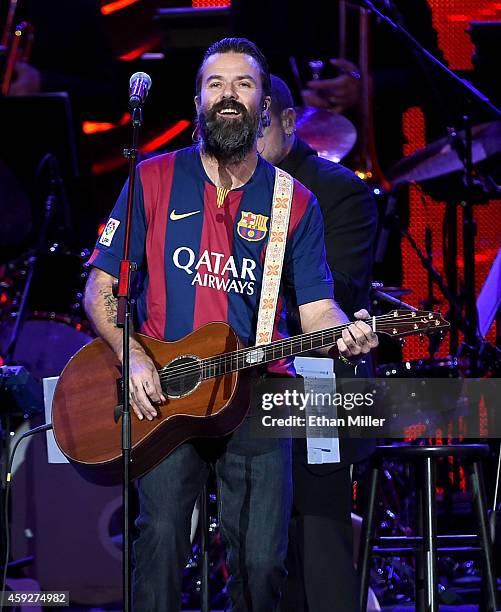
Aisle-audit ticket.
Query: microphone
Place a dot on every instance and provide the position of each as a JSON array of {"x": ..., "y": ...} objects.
[{"x": 139, "y": 85}]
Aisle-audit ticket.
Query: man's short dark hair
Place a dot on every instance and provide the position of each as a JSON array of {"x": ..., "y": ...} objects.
[
  {"x": 281, "y": 97},
  {"x": 237, "y": 45}
]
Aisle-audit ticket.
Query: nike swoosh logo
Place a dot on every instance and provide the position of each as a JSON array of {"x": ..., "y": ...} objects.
[{"x": 175, "y": 217}]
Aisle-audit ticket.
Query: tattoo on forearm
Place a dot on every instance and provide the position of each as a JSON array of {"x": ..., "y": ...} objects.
[{"x": 110, "y": 305}]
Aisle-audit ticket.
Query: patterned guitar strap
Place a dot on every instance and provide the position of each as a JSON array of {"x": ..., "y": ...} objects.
[{"x": 273, "y": 263}]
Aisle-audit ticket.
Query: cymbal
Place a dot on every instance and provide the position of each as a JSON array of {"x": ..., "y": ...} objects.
[
  {"x": 330, "y": 134},
  {"x": 439, "y": 158}
]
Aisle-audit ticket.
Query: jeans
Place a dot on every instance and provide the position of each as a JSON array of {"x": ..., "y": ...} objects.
[{"x": 254, "y": 496}]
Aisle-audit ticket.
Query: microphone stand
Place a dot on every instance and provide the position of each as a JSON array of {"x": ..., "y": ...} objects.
[
  {"x": 471, "y": 343},
  {"x": 123, "y": 321}
]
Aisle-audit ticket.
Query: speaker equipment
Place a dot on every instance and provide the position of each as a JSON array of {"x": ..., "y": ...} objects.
[{"x": 71, "y": 527}]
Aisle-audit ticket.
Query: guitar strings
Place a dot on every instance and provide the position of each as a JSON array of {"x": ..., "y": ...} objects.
[
  {"x": 313, "y": 336},
  {"x": 218, "y": 360}
]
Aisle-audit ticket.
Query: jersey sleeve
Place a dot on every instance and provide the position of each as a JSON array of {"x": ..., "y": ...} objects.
[
  {"x": 109, "y": 247},
  {"x": 306, "y": 269}
]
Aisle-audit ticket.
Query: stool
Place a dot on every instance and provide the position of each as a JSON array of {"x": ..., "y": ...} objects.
[{"x": 429, "y": 544}]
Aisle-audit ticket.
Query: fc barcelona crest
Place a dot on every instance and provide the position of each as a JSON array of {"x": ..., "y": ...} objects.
[{"x": 252, "y": 227}]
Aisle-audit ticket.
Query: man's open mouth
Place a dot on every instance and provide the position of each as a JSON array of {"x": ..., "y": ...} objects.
[{"x": 229, "y": 112}]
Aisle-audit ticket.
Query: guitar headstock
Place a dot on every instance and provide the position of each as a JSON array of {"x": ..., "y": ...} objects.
[{"x": 406, "y": 322}]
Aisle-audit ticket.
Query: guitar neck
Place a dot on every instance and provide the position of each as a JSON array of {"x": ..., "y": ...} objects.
[
  {"x": 397, "y": 323},
  {"x": 266, "y": 353}
]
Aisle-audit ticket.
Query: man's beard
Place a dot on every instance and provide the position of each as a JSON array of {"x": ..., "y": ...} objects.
[{"x": 231, "y": 139}]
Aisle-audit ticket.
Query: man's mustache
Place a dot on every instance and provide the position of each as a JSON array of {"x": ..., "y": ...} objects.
[
  {"x": 227, "y": 139},
  {"x": 228, "y": 104}
]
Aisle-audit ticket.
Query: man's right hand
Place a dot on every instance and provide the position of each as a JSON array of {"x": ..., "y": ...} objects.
[
  {"x": 101, "y": 308},
  {"x": 145, "y": 389}
]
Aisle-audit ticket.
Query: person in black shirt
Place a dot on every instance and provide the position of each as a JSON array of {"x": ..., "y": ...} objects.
[{"x": 320, "y": 556}]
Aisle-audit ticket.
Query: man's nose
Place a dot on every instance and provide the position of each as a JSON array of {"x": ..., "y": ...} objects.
[{"x": 229, "y": 91}]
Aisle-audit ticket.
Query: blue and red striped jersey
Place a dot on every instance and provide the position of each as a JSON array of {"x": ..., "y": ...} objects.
[{"x": 200, "y": 250}]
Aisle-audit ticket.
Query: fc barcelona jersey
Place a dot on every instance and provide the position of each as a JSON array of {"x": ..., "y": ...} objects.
[{"x": 200, "y": 249}]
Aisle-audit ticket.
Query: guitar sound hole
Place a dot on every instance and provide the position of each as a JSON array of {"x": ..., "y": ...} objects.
[{"x": 181, "y": 376}]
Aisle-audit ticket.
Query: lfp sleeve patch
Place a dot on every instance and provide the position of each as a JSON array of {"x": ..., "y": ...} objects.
[{"x": 109, "y": 231}]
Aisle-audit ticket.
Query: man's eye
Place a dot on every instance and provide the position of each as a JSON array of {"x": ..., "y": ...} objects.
[
  {"x": 214, "y": 84},
  {"x": 245, "y": 84}
]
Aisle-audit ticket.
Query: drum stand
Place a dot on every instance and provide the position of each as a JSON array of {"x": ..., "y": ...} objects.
[
  {"x": 50, "y": 208},
  {"x": 435, "y": 277}
]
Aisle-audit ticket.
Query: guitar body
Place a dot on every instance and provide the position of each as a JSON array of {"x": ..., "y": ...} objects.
[{"x": 87, "y": 400}]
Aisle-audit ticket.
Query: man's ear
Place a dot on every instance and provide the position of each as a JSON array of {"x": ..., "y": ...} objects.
[
  {"x": 197, "y": 102},
  {"x": 288, "y": 119},
  {"x": 266, "y": 103}
]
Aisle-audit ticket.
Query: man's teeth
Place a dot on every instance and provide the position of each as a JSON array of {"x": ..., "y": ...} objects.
[{"x": 229, "y": 111}]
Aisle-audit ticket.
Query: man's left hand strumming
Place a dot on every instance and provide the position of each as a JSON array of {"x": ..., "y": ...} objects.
[{"x": 358, "y": 339}]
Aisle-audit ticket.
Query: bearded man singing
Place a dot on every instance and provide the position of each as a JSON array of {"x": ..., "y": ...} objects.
[{"x": 201, "y": 222}]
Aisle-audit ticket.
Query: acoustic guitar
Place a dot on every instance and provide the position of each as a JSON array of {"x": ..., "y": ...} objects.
[{"x": 200, "y": 379}]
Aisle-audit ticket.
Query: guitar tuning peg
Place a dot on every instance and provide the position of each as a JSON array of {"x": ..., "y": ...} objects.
[
  {"x": 403, "y": 341},
  {"x": 421, "y": 338}
]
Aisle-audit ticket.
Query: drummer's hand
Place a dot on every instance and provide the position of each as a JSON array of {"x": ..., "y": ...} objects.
[
  {"x": 315, "y": 99},
  {"x": 358, "y": 339},
  {"x": 338, "y": 94},
  {"x": 28, "y": 80},
  {"x": 145, "y": 388}
]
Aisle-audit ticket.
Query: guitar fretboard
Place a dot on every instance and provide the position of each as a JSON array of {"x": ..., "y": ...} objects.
[
  {"x": 256, "y": 355},
  {"x": 397, "y": 323}
]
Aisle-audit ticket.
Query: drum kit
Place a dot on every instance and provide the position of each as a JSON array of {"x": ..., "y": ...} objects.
[
  {"x": 439, "y": 171},
  {"x": 333, "y": 136},
  {"x": 51, "y": 324},
  {"x": 41, "y": 285}
]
